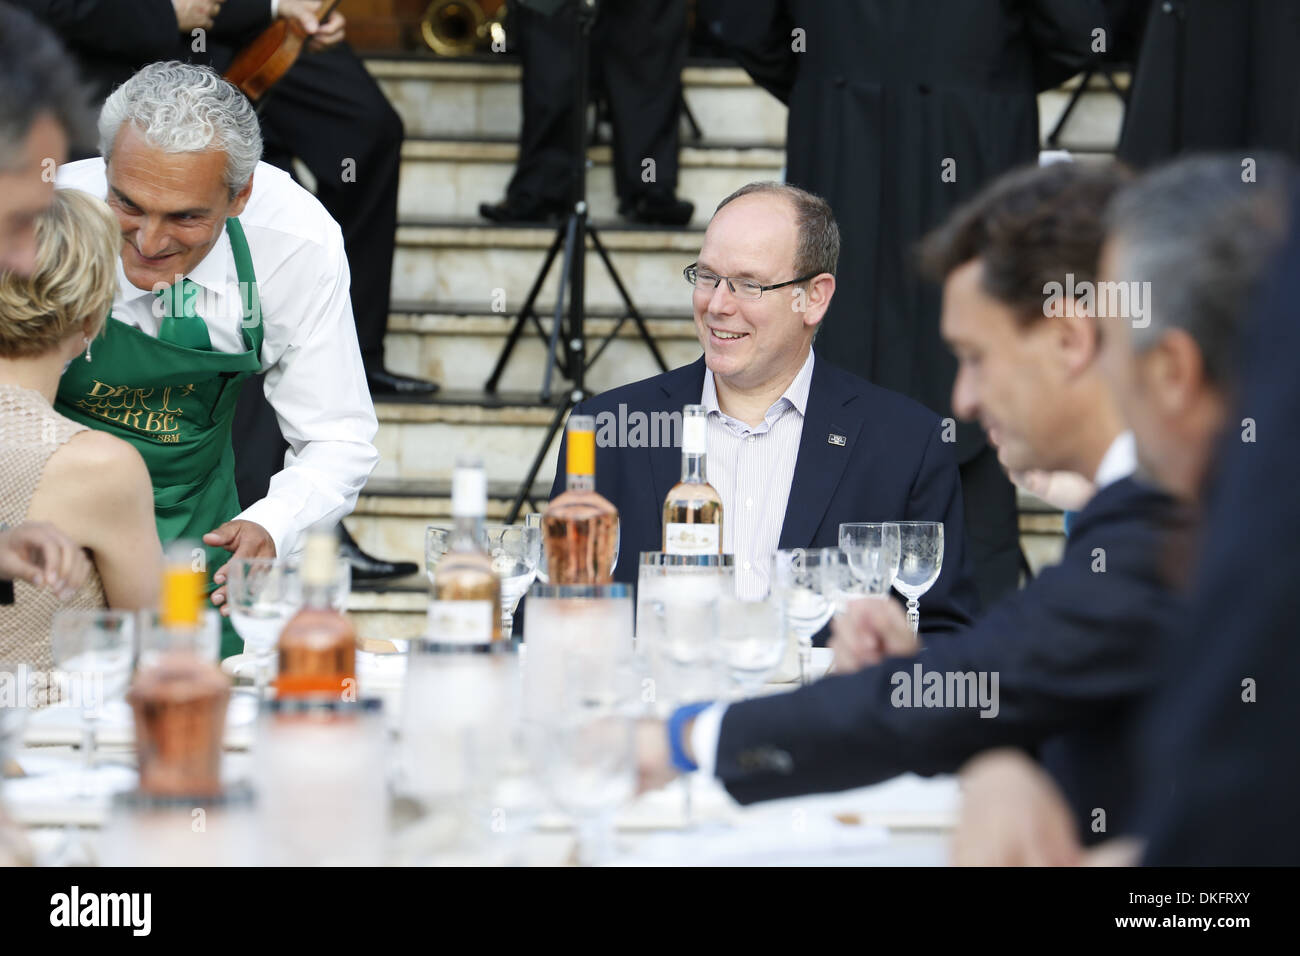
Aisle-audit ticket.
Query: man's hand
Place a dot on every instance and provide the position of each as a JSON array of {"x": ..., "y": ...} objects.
[
  {"x": 195, "y": 14},
  {"x": 869, "y": 630},
  {"x": 654, "y": 763},
  {"x": 44, "y": 557},
  {"x": 243, "y": 539},
  {"x": 305, "y": 13},
  {"x": 1066, "y": 490},
  {"x": 1012, "y": 814}
]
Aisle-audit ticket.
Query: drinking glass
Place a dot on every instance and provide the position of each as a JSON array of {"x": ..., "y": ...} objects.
[
  {"x": 263, "y": 593},
  {"x": 514, "y": 560},
  {"x": 437, "y": 541},
  {"x": 677, "y": 623},
  {"x": 533, "y": 520},
  {"x": 919, "y": 565},
  {"x": 93, "y": 652},
  {"x": 874, "y": 549},
  {"x": 809, "y": 583},
  {"x": 752, "y": 636},
  {"x": 590, "y": 765}
]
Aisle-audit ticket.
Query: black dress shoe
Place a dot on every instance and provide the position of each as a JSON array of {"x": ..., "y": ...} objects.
[
  {"x": 655, "y": 210},
  {"x": 384, "y": 382},
  {"x": 513, "y": 209},
  {"x": 367, "y": 568}
]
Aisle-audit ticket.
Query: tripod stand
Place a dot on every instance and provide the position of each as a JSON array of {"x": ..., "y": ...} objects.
[{"x": 572, "y": 236}]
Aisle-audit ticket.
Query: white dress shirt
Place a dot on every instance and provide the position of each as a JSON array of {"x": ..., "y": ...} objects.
[
  {"x": 752, "y": 467},
  {"x": 314, "y": 377},
  {"x": 1120, "y": 460}
]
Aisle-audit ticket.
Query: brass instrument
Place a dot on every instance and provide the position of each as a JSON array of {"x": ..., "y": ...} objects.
[{"x": 459, "y": 27}]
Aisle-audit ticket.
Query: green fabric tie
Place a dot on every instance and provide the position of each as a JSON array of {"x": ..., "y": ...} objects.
[{"x": 181, "y": 324}]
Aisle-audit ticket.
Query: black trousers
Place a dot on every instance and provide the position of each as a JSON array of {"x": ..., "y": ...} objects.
[
  {"x": 992, "y": 525},
  {"x": 638, "y": 49},
  {"x": 330, "y": 113}
]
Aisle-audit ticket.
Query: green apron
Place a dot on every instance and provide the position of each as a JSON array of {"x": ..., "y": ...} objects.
[{"x": 175, "y": 405}]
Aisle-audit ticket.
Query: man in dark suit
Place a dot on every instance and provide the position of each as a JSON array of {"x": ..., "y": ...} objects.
[
  {"x": 1217, "y": 751},
  {"x": 899, "y": 112},
  {"x": 1066, "y": 663},
  {"x": 796, "y": 446}
]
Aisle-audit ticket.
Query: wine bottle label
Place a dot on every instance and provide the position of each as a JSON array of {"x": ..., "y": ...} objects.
[
  {"x": 694, "y": 435},
  {"x": 461, "y": 622},
  {"x": 691, "y": 538}
]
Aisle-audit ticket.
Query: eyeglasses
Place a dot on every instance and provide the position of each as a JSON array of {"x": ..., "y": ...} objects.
[{"x": 741, "y": 288}]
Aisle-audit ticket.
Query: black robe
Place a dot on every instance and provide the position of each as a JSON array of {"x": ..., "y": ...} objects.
[
  {"x": 885, "y": 92},
  {"x": 1215, "y": 75}
]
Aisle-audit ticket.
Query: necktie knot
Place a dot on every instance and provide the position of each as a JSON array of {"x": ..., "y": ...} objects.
[{"x": 182, "y": 325}]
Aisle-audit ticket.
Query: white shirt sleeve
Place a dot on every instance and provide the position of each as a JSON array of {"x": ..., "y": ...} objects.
[
  {"x": 704, "y": 738},
  {"x": 316, "y": 383}
]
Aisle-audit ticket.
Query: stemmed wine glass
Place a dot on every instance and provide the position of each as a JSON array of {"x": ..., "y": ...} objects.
[
  {"x": 809, "y": 582},
  {"x": 533, "y": 520},
  {"x": 874, "y": 549},
  {"x": 919, "y": 565},
  {"x": 262, "y": 594},
  {"x": 93, "y": 651},
  {"x": 514, "y": 561}
]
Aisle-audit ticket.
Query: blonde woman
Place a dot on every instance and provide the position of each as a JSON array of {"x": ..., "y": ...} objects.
[{"x": 89, "y": 485}]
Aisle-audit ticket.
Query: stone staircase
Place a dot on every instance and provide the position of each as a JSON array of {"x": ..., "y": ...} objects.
[{"x": 458, "y": 282}]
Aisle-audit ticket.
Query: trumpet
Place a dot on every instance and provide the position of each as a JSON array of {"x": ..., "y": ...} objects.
[{"x": 458, "y": 27}]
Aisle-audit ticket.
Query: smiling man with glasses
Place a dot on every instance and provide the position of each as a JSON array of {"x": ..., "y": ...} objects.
[{"x": 795, "y": 445}]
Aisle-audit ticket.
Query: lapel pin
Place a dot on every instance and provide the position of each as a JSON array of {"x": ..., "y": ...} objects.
[{"x": 834, "y": 439}]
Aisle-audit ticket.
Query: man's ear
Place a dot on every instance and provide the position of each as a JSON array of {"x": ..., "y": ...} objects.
[
  {"x": 1078, "y": 337},
  {"x": 816, "y": 300},
  {"x": 240, "y": 199},
  {"x": 1175, "y": 370}
]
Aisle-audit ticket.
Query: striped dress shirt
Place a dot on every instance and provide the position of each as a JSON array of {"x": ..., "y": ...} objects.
[{"x": 752, "y": 468}]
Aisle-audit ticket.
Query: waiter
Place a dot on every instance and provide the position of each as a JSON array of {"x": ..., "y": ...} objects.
[{"x": 228, "y": 268}]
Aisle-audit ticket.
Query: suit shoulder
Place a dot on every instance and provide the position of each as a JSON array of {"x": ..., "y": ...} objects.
[{"x": 879, "y": 403}]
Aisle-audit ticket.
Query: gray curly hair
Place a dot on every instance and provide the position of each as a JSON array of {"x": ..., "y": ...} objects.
[{"x": 181, "y": 108}]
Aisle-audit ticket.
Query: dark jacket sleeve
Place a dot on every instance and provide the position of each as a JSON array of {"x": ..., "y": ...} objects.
[
  {"x": 1061, "y": 34},
  {"x": 137, "y": 30},
  {"x": 756, "y": 34},
  {"x": 951, "y": 604},
  {"x": 239, "y": 19},
  {"x": 1062, "y": 654}
]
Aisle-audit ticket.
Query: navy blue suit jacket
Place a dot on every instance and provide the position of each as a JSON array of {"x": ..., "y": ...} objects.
[
  {"x": 1078, "y": 654},
  {"x": 893, "y": 465}
]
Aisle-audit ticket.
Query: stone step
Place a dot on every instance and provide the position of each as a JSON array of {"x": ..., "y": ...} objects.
[
  {"x": 447, "y": 179},
  {"x": 477, "y": 100},
  {"x": 457, "y": 345},
  {"x": 493, "y": 267}
]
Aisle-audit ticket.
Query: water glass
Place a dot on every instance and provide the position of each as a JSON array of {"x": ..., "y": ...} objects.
[
  {"x": 93, "y": 652},
  {"x": 919, "y": 565},
  {"x": 262, "y": 594}
]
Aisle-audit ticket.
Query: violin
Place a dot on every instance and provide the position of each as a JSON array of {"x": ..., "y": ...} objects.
[{"x": 261, "y": 64}]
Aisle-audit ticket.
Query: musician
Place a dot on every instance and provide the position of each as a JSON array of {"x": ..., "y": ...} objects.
[
  {"x": 1064, "y": 664},
  {"x": 1218, "y": 764},
  {"x": 796, "y": 445},
  {"x": 638, "y": 49},
  {"x": 227, "y": 268}
]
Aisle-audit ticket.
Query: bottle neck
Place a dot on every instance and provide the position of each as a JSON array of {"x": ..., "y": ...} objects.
[
  {"x": 467, "y": 533},
  {"x": 318, "y": 597},
  {"x": 693, "y": 468},
  {"x": 580, "y": 482}
]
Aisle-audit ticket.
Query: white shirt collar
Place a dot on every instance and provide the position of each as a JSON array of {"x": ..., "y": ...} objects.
[
  {"x": 1120, "y": 460},
  {"x": 795, "y": 394}
]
